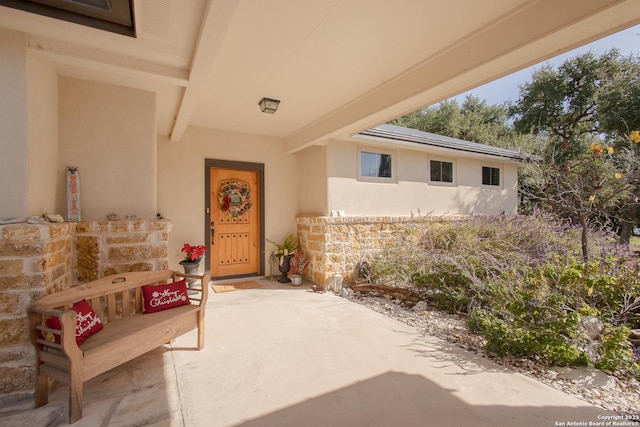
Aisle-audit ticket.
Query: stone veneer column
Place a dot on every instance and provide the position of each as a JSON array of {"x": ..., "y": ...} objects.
[
  {"x": 311, "y": 236},
  {"x": 34, "y": 260},
  {"x": 338, "y": 244}
]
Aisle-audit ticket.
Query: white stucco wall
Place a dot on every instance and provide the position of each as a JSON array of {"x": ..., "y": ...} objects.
[
  {"x": 13, "y": 124},
  {"x": 181, "y": 183},
  {"x": 109, "y": 133},
  {"x": 313, "y": 181},
  {"x": 410, "y": 192},
  {"x": 42, "y": 137}
]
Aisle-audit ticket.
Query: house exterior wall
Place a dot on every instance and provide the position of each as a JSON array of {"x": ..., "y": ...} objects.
[
  {"x": 409, "y": 191},
  {"x": 109, "y": 133},
  {"x": 13, "y": 124},
  {"x": 181, "y": 186},
  {"x": 377, "y": 212},
  {"x": 42, "y": 137},
  {"x": 312, "y": 175}
]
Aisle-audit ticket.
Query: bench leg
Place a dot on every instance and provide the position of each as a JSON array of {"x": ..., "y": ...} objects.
[
  {"x": 200, "y": 333},
  {"x": 42, "y": 391},
  {"x": 75, "y": 397}
]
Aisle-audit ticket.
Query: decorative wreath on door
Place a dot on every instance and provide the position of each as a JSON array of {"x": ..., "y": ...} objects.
[{"x": 234, "y": 198}]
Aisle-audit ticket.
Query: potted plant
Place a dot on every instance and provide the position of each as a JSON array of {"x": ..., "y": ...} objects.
[
  {"x": 296, "y": 268},
  {"x": 288, "y": 247},
  {"x": 284, "y": 252},
  {"x": 193, "y": 258}
]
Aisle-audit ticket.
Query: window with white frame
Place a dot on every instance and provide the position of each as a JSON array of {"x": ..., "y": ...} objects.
[
  {"x": 490, "y": 176},
  {"x": 375, "y": 164},
  {"x": 441, "y": 171}
]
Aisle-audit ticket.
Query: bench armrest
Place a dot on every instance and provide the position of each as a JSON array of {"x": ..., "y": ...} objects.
[
  {"x": 201, "y": 286},
  {"x": 67, "y": 333}
]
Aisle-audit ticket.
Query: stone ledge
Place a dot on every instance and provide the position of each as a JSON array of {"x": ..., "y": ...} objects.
[
  {"x": 123, "y": 226},
  {"x": 22, "y": 233},
  {"x": 310, "y": 220}
]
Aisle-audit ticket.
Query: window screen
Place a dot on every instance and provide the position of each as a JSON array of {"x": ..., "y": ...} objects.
[
  {"x": 490, "y": 176},
  {"x": 376, "y": 165},
  {"x": 441, "y": 171}
]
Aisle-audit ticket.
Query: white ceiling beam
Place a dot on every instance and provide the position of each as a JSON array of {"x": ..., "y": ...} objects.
[
  {"x": 525, "y": 25},
  {"x": 215, "y": 22},
  {"x": 107, "y": 62}
]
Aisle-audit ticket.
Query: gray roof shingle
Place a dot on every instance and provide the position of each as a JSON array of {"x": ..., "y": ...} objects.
[{"x": 399, "y": 133}]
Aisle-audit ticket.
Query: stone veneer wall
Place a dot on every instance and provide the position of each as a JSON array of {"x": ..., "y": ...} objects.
[
  {"x": 338, "y": 244},
  {"x": 110, "y": 247},
  {"x": 40, "y": 259}
]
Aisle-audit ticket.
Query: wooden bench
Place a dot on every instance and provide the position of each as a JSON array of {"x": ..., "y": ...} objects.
[{"x": 127, "y": 332}]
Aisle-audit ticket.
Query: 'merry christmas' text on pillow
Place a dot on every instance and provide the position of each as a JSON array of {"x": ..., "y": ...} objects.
[
  {"x": 162, "y": 297},
  {"x": 87, "y": 323}
]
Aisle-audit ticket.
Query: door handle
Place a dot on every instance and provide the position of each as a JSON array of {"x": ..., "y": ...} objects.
[{"x": 213, "y": 232}]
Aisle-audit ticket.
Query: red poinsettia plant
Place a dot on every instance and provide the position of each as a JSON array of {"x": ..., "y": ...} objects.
[
  {"x": 298, "y": 263},
  {"x": 193, "y": 252}
]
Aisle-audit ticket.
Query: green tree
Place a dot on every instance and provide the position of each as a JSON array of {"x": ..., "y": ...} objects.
[
  {"x": 619, "y": 105},
  {"x": 444, "y": 119},
  {"x": 562, "y": 104},
  {"x": 582, "y": 112},
  {"x": 619, "y": 115},
  {"x": 588, "y": 186},
  {"x": 485, "y": 124},
  {"x": 474, "y": 121}
]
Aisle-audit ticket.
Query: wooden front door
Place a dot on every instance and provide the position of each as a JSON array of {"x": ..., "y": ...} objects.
[{"x": 234, "y": 222}]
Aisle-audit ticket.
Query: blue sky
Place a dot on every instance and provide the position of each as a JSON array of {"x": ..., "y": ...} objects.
[{"x": 506, "y": 88}]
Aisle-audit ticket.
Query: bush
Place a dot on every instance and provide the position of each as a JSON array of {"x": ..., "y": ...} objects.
[
  {"x": 615, "y": 352},
  {"x": 523, "y": 284},
  {"x": 547, "y": 343}
]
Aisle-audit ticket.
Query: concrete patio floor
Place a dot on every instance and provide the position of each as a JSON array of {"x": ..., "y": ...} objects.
[{"x": 286, "y": 356}]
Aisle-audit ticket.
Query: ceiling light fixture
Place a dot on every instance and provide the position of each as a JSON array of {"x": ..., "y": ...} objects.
[{"x": 268, "y": 105}]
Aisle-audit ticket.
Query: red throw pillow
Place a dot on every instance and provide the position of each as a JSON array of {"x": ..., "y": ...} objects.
[
  {"x": 88, "y": 322},
  {"x": 162, "y": 297}
]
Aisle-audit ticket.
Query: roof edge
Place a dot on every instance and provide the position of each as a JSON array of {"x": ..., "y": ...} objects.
[{"x": 403, "y": 134}]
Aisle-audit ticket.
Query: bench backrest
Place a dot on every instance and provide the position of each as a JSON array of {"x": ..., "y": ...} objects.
[{"x": 113, "y": 297}]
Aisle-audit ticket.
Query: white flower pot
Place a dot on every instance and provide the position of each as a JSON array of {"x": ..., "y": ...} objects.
[{"x": 296, "y": 279}]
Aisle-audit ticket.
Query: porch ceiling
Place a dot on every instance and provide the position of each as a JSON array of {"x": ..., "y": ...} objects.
[{"x": 338, "y": 66}]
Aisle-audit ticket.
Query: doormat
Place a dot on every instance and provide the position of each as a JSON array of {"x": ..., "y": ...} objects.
[{"x": 251, "y": 284}]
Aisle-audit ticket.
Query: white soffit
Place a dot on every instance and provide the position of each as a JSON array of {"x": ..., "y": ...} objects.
[{"x": 338, "y": 66}]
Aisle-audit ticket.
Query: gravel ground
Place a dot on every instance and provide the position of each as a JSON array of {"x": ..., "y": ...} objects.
[{"x": 621, "y": 395}]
